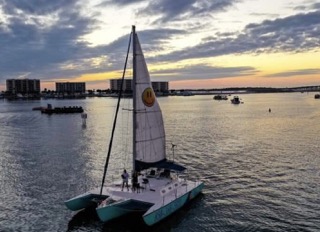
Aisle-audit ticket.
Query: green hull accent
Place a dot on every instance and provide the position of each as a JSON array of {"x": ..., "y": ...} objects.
[
  {"x": 172, "y": 207},
  {"x": 110, "y": 212},
  {"x": 115, "y": 210},
  {"x": 83, "y": 202}
]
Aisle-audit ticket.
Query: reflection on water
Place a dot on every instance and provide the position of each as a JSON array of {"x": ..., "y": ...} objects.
[{"x": 260, "y": 168}]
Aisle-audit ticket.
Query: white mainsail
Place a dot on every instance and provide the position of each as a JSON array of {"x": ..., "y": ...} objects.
[{"x": 149, "y": 128}]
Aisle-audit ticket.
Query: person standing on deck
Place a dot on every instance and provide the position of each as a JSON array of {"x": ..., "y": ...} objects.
[
  {"x": 125, "y": 179},
  {"x": 135, "y": 184}
]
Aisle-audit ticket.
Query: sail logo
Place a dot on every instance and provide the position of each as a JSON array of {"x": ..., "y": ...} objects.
[{"x": 148, "y": 97}]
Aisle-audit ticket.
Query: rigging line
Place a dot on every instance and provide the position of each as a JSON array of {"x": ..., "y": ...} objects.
[
  {"x": 126, "y": 136},
  {"x": 128, "y": 133},
  {"x": 115, "y": 119},
  {"x": 123, "y": 148},
  {"x": 124, "y": 131},
  {"x": 145, "y": 134},
  {"x": 127, "y": 139}
]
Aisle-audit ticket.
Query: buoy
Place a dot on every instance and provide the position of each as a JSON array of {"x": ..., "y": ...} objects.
[{"x": 84, "y": 119}]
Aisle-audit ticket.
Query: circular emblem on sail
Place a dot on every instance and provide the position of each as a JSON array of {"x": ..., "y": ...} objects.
[{"x": 148, "y": 97}]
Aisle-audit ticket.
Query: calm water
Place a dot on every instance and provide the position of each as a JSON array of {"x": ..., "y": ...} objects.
[{"x": 261, "y": 170}]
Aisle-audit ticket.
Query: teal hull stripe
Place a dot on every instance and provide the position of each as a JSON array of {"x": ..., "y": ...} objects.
[
  {"x": 115, "y": 210},
  {"x": 83, "y": 202},
  {"x": 172, "y": 207},
  {"x": 110, "y": 212}
]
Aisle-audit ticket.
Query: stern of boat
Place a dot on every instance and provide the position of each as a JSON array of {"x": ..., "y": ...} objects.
[
  {"x": 110, "y": 208},
  {"x": 84, "y": 201}
]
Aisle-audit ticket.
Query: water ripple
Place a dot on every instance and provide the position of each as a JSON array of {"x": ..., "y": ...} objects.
[{"x": 261, "y": 170}]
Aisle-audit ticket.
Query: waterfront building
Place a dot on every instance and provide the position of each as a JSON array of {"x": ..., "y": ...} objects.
[
  {"x": 70, "y": 87},
  {"x": 23, "y": 86},
  {"x": 115, "y": 85},
  {"x": 158, "y": 86}
]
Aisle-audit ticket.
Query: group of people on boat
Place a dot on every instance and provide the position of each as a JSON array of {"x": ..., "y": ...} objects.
[
  {"x": 137, "y": 180},
  {"x": 134, "y": 181}
]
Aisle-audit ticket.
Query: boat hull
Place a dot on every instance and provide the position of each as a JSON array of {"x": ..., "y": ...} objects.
[
  {"x": 164, "y": 211},
  {"x": 84, "y": 201},
  {"x": 109, "y": 212}
]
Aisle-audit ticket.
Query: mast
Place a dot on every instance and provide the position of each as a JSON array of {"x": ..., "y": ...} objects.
[
  {"x": 134, "y": 101},
  {"x": 115, "y": 118}
]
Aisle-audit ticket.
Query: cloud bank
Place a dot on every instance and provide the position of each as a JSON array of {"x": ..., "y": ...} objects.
[{"x": 45, "y": 39}]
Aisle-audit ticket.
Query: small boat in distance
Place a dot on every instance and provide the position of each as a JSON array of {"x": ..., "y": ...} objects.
[
  {"x": 163, "y": 187},
  {"x": 61, "y": 110},
  {"x": 236, "y": 100},
  {"x": 220, "y": 97},
  {"x": 317, "y": 96}
]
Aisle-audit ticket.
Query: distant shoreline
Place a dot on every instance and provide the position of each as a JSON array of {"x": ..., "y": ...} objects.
[
  {"x": 256, "y": 90},
  {"x": 173, "y": 92}
]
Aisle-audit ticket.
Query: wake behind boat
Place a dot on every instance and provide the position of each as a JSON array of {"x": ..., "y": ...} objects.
[{"x": 162, "y": 187}]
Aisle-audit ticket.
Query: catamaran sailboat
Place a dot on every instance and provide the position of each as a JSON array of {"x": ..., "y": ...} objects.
[{"x": 164, "y": 188}]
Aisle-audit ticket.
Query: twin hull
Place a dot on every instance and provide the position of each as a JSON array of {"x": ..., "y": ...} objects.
[
  {"x": 153, "y": 212},
  {"x": 118, "y": 209},
  {"x": 84, "y": 201}
]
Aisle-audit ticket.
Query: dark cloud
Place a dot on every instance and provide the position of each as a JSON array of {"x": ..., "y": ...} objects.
[
  {"x": 295, "y": 33},
  {"x": 316, "y": 6},
  {"x": 169, "y": 10},
  {"x": 308, "y": 7},
  {"x": 38, "y": 7},
  {"x": 29, "y": 47},
  {"x": 118, "y": 2},
  {"x": 299, "y": 72},
  {"x": 151, "y": 40},
  {"x": 36, "y": 52},
  {"x": 158, "y": 39},
  {"x": 202, "y": 71}
]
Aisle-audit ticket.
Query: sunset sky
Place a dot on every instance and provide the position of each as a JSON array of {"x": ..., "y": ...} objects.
[{"x": 190, "y": 43}]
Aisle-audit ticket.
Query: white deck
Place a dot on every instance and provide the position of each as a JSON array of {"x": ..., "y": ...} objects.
[{"x": 151, "y": 192}]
